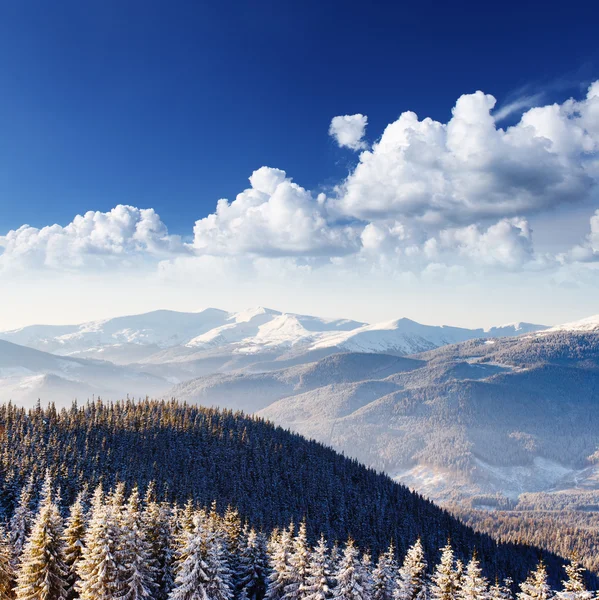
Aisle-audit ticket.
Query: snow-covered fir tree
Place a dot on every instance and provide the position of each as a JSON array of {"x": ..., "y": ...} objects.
[
  {"x": 137, "y": 563},
  {"x": 234, "y": 539},
  {"x": 7, "y": 573},
  {"x": 535, "y": 587},
  {"x": 20, "y": 523},
  {"x": 157, "y": 524},
  {"x": 220, "y": 585},
  {"x": 444, "y": 582},
  {"x": 383, "y": 575},
  {"x": 473, "y": 586},
  {"x": 574, "y": 587},
  {"x": 352, "y": 582},
  {"x": 367, "y": 573},
  {"x": 192, "y": 572},
  {"x": 411, "y": 584},
  {"x": 501, "y": 591},
  {"x": 280, "y": 547},
  {"x": 74, "y": 534},
  {"x": 100, "y": 569},
  {"x": 42, "y": 572},
  {"x": 319, "y": 581},
  {"x": 252, "y": 568},
  {"x": 299, "y": 561}
]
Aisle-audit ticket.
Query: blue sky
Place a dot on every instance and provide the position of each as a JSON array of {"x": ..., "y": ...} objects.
[{"x": 171, "y": 106}]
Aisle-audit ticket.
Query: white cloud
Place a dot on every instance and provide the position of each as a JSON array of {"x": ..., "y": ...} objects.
[
  {"x": 588, "y": 251},
  {"x": 517, "y": 105},
  {"x": 348, "y": 131},
  {"x": 124, "y": 234},
  {"x": 427, "y": 197},
  {"x": 468, "y": 170},
  {"x": 274, "y": 217}
]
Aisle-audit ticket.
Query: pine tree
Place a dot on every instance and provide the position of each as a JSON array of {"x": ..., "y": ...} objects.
[
  {"x": 444, "y": 582},
  {"x": 351, "y": 584},
  {"x": 535, "y": 587},
  {"x": 42, "y": 573},
  {"x": 411, "y": 583},
  {"x": 299, "y": 561},
  {"x": 501, "y": 591},
  {"x": 99, "y": 570},
  {"x": 137, "y": 564},
  {"x": 192, "y": 574},
  {"x": 219, "y": 574},
  {"x": 7, "y": 574},
  {"x": 157, "y": 519},
  {"x": 574, "y": 586},
  {"x": 319, "y": 583},
  {"x": 280, "y": 552},
  {"x": 20, "y": 524},
  {"x": 232, "y": 531},
  {"x": 383, "y": 576},
  {"x": 252, "y": 566},
  {"x": 74, "y": 535},
  {"x": 367, "y": 574},
  {"x": 474, "y": 586}
]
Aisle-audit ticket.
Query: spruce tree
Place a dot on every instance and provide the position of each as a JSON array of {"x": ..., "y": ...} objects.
[
  {"x": 444, "y": 582},
  {"x": 351, "y": 580},
  {"x": 383, "y": 576},
  {"x": 299, "y": 561},
  {"x": 220, "y": 585},
  {"x": 474, "y": 586},
  {"x": 157, "y": 519},
  {"x": 42, "y": 572},
  {"x": 139, "y": 568},
  {"x": 574, "y": 587},
  {"x": 7, "y": 573},
  {"x": 501, "y": 591},
  {"x": 280, "y": 552},
  {"x": 20, "y": 523},
  {"x": 319, "y": 584},
  {"x": 74, "y": 535},
  {"x": 535, "y": 587},
  {"x": 100, "y": 568},
  {"x": 192, "y": 574},
  {"x": 411, "y": 584},
  {"x": 252, "y": 566}
]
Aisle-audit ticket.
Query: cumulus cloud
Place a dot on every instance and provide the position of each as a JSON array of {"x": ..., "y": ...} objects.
[
  {"x": 348, "y": 131},
  {"x": 427, "y": 196},
  {"x": 588, "y": 250},
  {"x": 468, "y": 170},
  {"x": 124, "y": 234},
  {"x": 274, "y": 217}
]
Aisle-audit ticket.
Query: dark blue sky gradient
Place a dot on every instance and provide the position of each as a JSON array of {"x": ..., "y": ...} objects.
[{"x": 172, "y": 105}]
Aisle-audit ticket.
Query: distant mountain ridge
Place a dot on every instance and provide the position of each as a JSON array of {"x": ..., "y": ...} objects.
[{"x": 253, "y": 331}]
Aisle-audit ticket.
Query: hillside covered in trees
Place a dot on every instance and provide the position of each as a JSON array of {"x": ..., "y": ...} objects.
[
  {"x": 117, "y": 547},
  {"x": 271, "y": 476}
]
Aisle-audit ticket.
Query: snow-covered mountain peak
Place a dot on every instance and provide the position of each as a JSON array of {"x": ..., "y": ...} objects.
[
  {"x": 250, "y": 314},
  {"x": 588, "y": 324}
]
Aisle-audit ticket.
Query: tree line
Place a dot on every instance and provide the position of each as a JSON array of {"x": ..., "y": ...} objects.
[
  {"x": 271, "y": 476},
  {"x": 116, "y": 546}
]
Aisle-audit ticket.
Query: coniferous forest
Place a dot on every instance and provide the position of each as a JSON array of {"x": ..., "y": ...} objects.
[{"x": 163, "y": 500}]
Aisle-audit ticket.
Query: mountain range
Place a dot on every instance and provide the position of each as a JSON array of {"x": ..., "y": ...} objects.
[{"x": 452, "y": 412}]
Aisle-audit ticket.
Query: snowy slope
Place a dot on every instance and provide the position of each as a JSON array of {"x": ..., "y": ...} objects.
[
  {"x": 180, "y": 346},
  {"x": 590, "y": 324},
  {"x": 159, "y": 329},
  {"x": 261, "y": 328},
  {"x": 404, "y": 336}
]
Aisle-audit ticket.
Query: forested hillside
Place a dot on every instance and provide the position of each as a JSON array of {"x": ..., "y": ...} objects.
[
  {"x": 270, "y": 475},
  {"x": 117, "y": 547}
]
